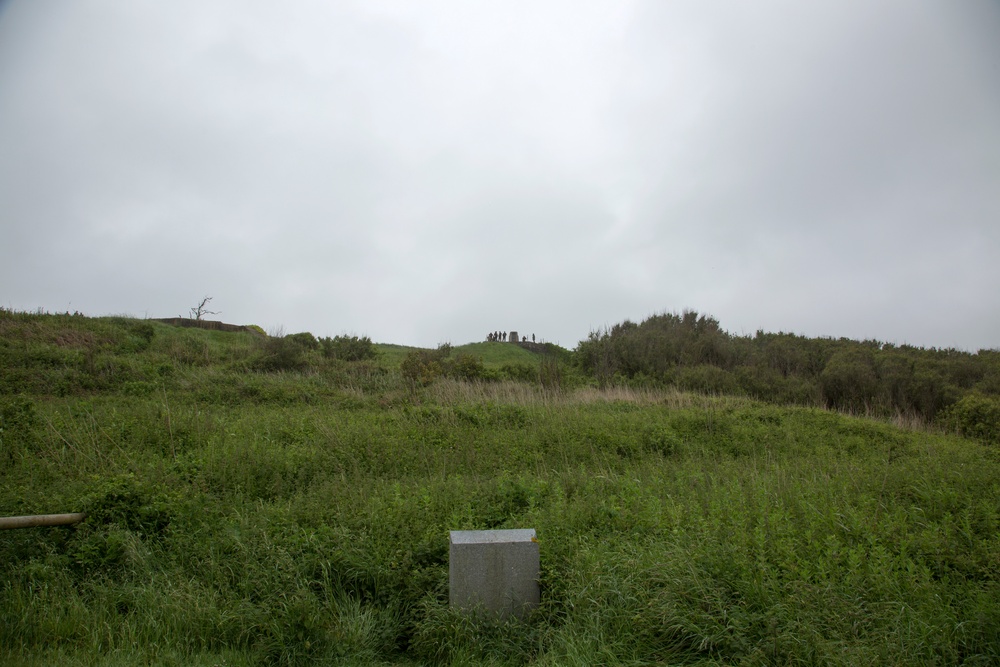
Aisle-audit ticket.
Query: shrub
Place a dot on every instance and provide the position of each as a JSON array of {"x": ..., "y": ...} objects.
[
  {"x": 464, "y": 367},
  {"x": 707, "y": 379},
  {"x": 848, "y": 381},
  {"x": 348, "y": 348},
  {"x": 766, "y": 384},
  {"x": 140, "y": 336},
  {"x": 285, "y": 353},
  {"x": 929, "y": 392},
  {"x": 188, "y": 349},
  {"x": 421, "y": 367},
  {"x": 974, "y": 416},
  {"x": 520, "y": 372},
  {"x": 305, "y": 339},
  {"x": 549, "y": 374}
]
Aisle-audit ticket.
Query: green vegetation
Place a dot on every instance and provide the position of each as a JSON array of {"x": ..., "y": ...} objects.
[
  {"x": 503, "y": 361},
  {"x": 253, "y": 502},
  {"x": 692, "y": 352},
  {"x": 349, "y": 348}
]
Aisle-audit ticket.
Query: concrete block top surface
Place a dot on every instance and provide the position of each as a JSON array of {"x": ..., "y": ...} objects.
[{"x": 492, "y": 536}]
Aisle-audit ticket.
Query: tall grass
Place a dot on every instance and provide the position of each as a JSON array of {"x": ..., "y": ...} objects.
[{"x": 246, "y": 518}]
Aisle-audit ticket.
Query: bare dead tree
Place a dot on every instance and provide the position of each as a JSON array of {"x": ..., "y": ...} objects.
[{"x": 201, "y": 310}]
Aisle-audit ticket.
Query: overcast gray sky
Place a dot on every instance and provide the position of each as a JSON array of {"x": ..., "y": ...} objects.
[{"x": 423, "y": 172}]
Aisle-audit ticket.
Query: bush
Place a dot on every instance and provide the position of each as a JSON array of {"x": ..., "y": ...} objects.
[
  {"x": 848, "y": 381},
  {"x": 974, "y": 416},
  {"x": 348, "y": 348},
  {"x": 549, "y": 374},
  {"x": 520, "y": 372},
  {"x": 928, "y": 392},
  {"x": 286, "y": 353},
  {"x": 305, "y": 339},
  {"x": 766, "y": 384},
  {"x": 707, "y": 379},
  {"x": 421, "y": 367},
  {"x": 464, "y": 367},
  {"x": 140, "y": 336}
]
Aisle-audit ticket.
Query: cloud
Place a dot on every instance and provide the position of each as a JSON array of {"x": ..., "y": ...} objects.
[{"x": 432, "y": 171}]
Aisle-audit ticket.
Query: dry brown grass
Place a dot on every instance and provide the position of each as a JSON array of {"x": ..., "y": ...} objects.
[{"x": 518, "y": 393}]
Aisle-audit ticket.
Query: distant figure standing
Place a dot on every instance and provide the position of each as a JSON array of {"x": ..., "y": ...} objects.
[{"x": 532, "y": 338}]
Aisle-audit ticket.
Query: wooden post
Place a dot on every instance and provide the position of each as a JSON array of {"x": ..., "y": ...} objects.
[{"x": 8, "y": 522}]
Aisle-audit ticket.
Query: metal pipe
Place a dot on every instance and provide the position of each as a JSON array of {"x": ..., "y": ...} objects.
[{"x": 8, "y": 522}]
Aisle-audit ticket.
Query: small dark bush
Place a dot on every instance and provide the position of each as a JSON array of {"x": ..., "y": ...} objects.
[
  {"x": 974, "y": 416},
  {"x": 348, "y": 348},
  {"x": 305, "y": 339},
  {"x": 140, "y": 336},
  {"x": 281, "y": 354},
  {"x": 421, "y": 367},
  {"x": 848, "y": 380},
  {"x": 133, "y": 504},
  {"x": 707, "y": 379},
  {"x": 520, "y": 372},
  {"x": 464, "y": 367},
  {"x": 549, "y": 374}
]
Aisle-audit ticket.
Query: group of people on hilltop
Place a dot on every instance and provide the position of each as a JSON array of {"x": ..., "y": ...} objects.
[{"x": 501, "y": 337}]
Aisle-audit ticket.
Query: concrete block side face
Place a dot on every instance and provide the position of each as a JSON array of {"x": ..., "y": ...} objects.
[{"x": 494, "y": 577}]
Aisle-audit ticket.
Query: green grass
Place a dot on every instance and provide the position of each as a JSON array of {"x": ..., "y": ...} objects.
[
  {"x": 391, "y": 355},
  {"x": 495, "y": 355},
  {"x": 301, "y": 518}
]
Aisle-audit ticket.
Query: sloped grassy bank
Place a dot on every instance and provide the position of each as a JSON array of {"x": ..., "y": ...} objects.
[{"x": 240, "y": 518}]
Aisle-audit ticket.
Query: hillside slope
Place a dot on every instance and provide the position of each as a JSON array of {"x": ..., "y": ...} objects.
[{"x": 245, "y": 514}]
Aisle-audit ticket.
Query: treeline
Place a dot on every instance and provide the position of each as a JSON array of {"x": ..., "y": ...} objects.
[{"x": 691, "y": 351}]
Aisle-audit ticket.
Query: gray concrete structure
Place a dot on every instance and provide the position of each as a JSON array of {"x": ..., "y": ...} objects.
[{"x": 494, "y": 571}]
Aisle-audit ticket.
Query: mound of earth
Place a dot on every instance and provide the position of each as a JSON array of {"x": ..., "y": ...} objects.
[{"x": 206, "y": 324}]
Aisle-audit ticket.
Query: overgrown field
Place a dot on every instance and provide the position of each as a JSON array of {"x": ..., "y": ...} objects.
[{"x": 245, "y": 516}]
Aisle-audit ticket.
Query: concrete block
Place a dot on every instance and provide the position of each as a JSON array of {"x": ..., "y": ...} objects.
[{"x": 494, "y": 571}]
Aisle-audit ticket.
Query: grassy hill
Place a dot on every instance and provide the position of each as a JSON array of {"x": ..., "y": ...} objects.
[
  {"x": 254, "y": 501},
  {"x": 493, "y": 355}
]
